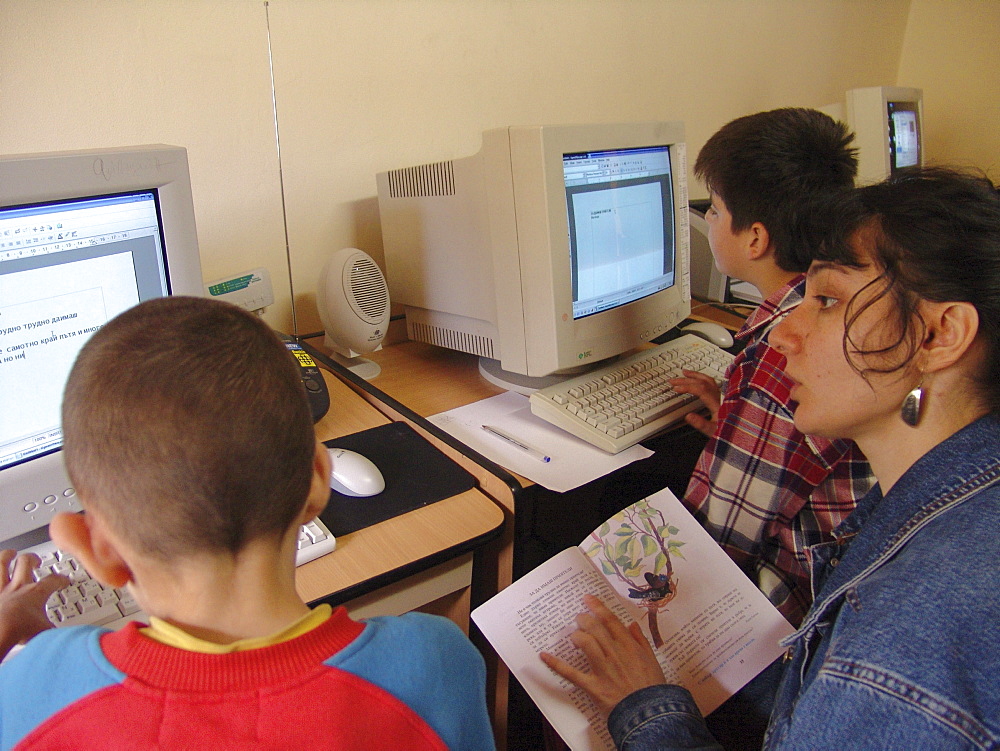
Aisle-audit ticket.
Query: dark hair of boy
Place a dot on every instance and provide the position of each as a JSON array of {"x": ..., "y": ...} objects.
[
  {"x": 774, "y": 168},
  {"x": 187, "y": 426}
]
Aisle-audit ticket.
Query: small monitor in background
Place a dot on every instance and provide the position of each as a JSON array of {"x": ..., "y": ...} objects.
[{"x": 888, "y": 127}]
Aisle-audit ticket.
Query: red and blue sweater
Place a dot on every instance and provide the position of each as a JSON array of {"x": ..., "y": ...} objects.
[{"x": 412, "y": 682}]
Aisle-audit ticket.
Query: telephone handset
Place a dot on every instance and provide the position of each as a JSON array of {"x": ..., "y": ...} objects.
[{"x": 312, "y": 378}]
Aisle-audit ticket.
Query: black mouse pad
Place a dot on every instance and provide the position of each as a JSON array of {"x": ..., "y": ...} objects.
[{"x": 416, "y": 474}]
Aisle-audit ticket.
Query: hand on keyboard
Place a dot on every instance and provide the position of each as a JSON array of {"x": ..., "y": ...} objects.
[
  {"x": 22, "y": 599},
  {"x": 88, "y": 602},
  {"x": 706, "y": 388},
  {"x": 620, "y": 404}
]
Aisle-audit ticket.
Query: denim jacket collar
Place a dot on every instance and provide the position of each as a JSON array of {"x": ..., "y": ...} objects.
[{"x": 890, "y": 521}]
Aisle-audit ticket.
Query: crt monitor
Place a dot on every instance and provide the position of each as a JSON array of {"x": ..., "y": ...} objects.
[
  {"x": 551, "y": 249},
  {"x": 888, "y": 129},
  {"x": 83, "y": 236}
]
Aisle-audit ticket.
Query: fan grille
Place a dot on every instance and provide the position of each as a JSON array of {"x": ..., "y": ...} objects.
[
  {"x": 368, "y": 289},
  {"x": 437, "y": 179}
]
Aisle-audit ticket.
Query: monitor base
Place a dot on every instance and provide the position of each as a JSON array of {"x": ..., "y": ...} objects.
[{"x": 522, "y": 384}]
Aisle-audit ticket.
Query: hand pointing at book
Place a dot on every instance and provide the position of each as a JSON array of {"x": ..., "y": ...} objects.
[{"x": 621, "y": 660}]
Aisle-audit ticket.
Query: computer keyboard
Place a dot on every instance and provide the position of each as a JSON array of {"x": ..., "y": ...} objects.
[
  {"x": 87, "y": 601},
  {"x": 315, "y": 540},
  {"x": 630, "y": 399}
]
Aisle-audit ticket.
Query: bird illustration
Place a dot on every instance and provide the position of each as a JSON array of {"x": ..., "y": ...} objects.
[{"x": 658, "y": 587}]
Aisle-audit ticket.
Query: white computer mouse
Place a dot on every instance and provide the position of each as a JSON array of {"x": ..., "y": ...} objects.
[
  {"x": 712, "y": 332},
  {"x": 353, "y": 474}
]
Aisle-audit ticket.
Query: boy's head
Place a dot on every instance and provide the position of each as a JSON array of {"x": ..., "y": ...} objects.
[
  {"x": 777, "y": 168},
  {"x": 187, "y": 428}
]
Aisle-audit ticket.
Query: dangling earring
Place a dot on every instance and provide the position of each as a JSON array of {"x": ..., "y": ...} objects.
[{"x": 912, "y": 406}]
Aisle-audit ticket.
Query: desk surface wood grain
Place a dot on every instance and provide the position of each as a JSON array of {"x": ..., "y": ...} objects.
[{"x": 430, "y": 379}]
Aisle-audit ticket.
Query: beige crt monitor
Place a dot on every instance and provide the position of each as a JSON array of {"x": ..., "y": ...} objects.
[
  {"x": 552, "y": 248},
  {"x": 84, "y": 235},
  {"x": 887, "y": 122}
]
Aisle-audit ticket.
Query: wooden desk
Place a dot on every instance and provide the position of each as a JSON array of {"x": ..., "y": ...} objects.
[
  {"x": 430, "y": 379},
  {"x": 731, "y": 316}
]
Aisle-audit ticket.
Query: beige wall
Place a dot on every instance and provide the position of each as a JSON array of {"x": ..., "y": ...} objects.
[
  {"x": 81, "y": 74},
  {"x": 950, "y": 50},
  {"x": 368, "y": 85}
]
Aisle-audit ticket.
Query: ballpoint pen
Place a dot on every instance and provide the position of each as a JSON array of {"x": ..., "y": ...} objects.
[{"x": 540, "y": 455}]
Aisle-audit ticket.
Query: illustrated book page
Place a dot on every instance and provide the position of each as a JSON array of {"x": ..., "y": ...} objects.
[{"x": 711, "y": 628}]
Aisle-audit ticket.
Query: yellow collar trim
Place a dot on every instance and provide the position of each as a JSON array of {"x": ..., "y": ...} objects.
[{"x": 174, "y": 636}]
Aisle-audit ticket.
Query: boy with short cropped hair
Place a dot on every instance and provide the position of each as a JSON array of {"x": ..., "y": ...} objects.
[
  {"x": 763, "y": 489},
  {"x": 190, "y": 442}
]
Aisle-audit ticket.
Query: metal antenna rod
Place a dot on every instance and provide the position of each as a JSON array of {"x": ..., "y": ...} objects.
[{"x": 281, "y": 176}]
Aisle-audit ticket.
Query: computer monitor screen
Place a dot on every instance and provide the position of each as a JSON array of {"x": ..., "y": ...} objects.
[
  {"x": 904, "y": 135},
  {"x": 66, "y": 268},
  {"x": 80, "y": 242},
  {"x": 551, "y": 249},
  {"x": 621, "y": 226}
]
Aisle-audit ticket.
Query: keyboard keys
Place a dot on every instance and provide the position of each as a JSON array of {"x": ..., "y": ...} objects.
[
  {"x": 88, "y": 602},
  {"x": 314, "y": 541},
  {"x": 631, "y": 399}
]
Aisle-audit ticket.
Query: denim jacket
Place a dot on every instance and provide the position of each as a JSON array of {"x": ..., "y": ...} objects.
[{"x": 901, "y": 648}]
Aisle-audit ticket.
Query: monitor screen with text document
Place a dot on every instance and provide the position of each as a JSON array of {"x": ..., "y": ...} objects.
[{"x": 83, "y": 237}]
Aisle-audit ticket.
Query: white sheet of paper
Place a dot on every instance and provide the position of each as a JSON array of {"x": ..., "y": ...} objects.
[{"x": 573, "y": 462}]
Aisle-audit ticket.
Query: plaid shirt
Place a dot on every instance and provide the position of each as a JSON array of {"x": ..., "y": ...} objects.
[{"x": 761, "y": 488}]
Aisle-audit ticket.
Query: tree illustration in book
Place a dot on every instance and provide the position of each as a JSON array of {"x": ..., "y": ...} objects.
[{"x": 639, "y": 542}]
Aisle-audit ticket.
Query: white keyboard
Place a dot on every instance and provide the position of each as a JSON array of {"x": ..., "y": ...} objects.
[
  {"x": 86, "y": 601},
  {"x": 629, "y": 400},
  {"x": 315, "y": 540}
]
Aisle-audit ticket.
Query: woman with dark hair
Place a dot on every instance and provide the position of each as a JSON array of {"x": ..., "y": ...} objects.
[{"x": 896, "y": 346}]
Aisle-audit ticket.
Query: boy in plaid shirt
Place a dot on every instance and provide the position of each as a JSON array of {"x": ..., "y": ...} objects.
[{"x": 761, "y": 488}]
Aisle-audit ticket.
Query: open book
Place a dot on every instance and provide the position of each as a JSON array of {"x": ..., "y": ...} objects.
[{"x": 711, "y": 628}]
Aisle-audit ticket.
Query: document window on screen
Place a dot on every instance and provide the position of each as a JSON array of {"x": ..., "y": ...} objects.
[
  {"x": 66, "y": 269},
  {"x": 620, "y": 206},
  {"x": 905, "y": 138}
]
